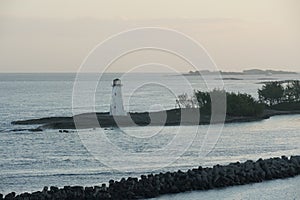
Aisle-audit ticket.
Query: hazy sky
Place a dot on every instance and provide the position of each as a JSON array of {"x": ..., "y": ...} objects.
[{"x": 56, "y": 35}]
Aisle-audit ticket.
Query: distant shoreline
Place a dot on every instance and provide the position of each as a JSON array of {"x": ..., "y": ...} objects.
[{"x": 244, "y": 72}]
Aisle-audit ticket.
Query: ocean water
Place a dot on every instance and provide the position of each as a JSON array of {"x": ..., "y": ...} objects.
[{"x": 29, "y": 161}]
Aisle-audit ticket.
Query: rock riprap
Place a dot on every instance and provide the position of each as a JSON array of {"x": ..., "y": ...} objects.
[{"x": 153, "y": 185}]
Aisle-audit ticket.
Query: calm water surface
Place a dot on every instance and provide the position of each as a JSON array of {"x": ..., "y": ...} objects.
[{"x": 29, "y": 161}]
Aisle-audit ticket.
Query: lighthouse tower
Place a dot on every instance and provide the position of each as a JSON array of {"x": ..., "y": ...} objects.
[{"x": 116, "y": 105}]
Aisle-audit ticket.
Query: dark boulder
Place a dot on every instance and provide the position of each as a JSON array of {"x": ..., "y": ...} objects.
[
  {"x": 153, "y": 185},
  {"x": 10, "y": 196}
]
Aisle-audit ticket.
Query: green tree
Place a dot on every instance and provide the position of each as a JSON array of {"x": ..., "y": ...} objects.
[
  {"x": 271, "y": 93},
  {"x": 295, "y": 85},
  {"x": 289, "y": 93},
  {"x": 203, "y": 98},
  {"x": 237, "y": 104},
  {"x": 243, "y": 105},
  {"x": 184, "y": 101}
]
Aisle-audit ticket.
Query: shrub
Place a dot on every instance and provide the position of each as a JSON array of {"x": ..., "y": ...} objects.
[
  {"x": 292, "y": 91},
  {"x": 243, "y": 105},
  {"x": 237, "y": 104},
  {"x": 271, "y": 93}
]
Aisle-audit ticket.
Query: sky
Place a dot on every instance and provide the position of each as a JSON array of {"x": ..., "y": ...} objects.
[{"x": 57, "y": 35}]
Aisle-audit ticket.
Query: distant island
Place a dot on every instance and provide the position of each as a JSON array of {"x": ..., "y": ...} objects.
[
  {"x": 244, "y": 72},
  {"x": 275, "y": 98}
]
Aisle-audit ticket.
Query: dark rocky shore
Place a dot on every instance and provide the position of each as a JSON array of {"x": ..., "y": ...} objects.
[
  {"x": 171, "y": 117},
  {"x": 154, "y": 185}
]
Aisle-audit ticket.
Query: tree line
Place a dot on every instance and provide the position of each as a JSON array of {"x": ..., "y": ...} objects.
[
  {"x": 276, "y": 92},
  {"x": 241, "y": 104}
]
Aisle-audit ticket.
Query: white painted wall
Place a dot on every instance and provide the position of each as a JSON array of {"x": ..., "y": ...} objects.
[{"x": 116, "y": 105}]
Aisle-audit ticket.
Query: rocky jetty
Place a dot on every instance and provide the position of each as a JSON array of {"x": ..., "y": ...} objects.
[{"x": 153, "y": 185}]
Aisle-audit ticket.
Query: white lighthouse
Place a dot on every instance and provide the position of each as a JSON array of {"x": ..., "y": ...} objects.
[{"x": 116, "y": 105}]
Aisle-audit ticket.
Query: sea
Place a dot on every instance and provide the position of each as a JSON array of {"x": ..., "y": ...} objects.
[{"x": 31, "y": 160}]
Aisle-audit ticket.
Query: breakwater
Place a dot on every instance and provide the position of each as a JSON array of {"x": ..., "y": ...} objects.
[{"x": 153, "y": 185}]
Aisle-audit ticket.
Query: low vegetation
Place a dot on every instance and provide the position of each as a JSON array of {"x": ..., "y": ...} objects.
[
  {"x": 237, "y": 104},
  {"x": 281, "y": 95},
  {"x": 273, "y": 95}
]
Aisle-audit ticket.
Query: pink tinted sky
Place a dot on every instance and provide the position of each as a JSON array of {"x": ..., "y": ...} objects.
[{"x": 55, "y": 35}]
